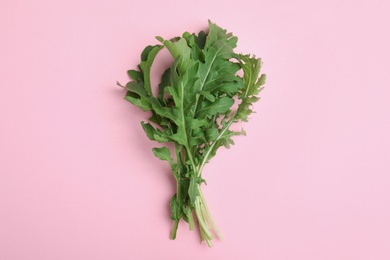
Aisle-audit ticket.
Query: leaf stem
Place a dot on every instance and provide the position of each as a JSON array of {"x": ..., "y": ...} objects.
[
  {"x": 202, "y": 224},
  {"x": 190, "y": 219},
  {"x": 208, "y": 215},
  {"x": 174, "y": 230}
]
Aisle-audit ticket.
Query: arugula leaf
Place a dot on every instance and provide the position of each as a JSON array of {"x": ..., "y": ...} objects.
[
  {"x": 193, "y": 110},
  {"x": 164, "y": 154}
]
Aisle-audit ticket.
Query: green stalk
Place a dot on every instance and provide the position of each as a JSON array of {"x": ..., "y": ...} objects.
[
  {"x": 174, "y": 230},
  {"x": 201, "y": 222},
  {"x": 177, "y": 178},
  {"x": 203, "y": 238},
  {"x": 208, "y": 215},
  {"x": 190, "y": 219}
]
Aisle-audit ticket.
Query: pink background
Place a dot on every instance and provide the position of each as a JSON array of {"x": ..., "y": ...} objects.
[{"x": 311, "y": 180}]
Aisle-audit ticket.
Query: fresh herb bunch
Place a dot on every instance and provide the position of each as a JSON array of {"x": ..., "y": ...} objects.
[{"x": 193, "y": 110}]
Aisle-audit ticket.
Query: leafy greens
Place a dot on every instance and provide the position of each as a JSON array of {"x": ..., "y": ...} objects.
[{"x": 194, "y": 110}]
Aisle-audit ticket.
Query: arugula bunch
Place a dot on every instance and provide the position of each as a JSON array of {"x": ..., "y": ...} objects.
[{"x": 193, "y": 110}]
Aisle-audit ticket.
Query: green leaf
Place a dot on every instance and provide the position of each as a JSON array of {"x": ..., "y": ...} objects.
[
  {"x": 147, "y": 57},
  {"x": 163, "y": 84},
  {"x": 155, "y": 134},
  {"x": 135, "y": 75},
  {"x": 220, "y": 105},
  {"x": 212, "y": 133},
  {"x": 196, "y": 123},
  {"x": 149, "y": 130},
  {"x": 207, "y": 95},
  {"x": 232, "y": 87},
  {"x": 179, "y": 138},
  {"x": 164, "y": 154},
  {"x": 161, "y": 138},
  {"x": 217, "y": 33},
  {"x": 168, "y": 112},
  {"x": 144, "y": 105},
  {"x": 137, "y": 95},
  {"x": 261, "y": 80},
  {"x": 193, "y": 188},
  {"x": 201, "y": 39},
  {"x": 176, "y": 208},
  {"x": 181, "y": 51}
]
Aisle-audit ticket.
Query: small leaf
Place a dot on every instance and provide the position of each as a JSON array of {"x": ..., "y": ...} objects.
[
  {"x": 176, "y": 209},
  {"x": 159, "y": 137},
  {"x": 137, "y": 88},
  {"x": 193, "y": 188},
  {"x": 163, "y": 84},
  {"x": 179, "y": 138},
  {"x": 180, "y": 51},
  {"x": 149, "y": 130},
  {"x": 253, "y": 99},
  {"x": 261, "y": 80},
  {"x": 207, "y": 95},
  {"x": 232, "y": 87},
  {"x": 212, "y": 133},
  {"x": 145, "y": 106},
  {"x": 164, "y": 154},
  {"x": 135, "y": 75},
  {"x": 196, "y": 123},
  {"x": 147, "y": 57},
  {"x": 220, "y": 105}
]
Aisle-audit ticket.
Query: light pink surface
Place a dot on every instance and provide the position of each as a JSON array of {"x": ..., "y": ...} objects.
[{"x": 310, "y": 181}]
